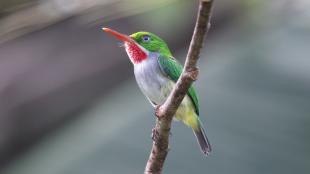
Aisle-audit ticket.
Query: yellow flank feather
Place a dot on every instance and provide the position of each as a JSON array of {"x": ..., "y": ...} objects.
[{"x": 186, "y": 113}]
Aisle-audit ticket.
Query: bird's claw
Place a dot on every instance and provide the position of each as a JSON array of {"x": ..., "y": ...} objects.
[{"x": 158, "y": 113}]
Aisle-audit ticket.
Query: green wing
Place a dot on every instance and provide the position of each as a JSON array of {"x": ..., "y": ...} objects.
[{"x": 173, "y": 69}]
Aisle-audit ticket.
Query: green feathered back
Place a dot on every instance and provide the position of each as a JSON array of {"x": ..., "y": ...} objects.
[{"x": 173, "y": 69}]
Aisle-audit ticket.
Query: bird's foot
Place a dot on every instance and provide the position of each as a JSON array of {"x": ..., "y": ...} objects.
[
  {"x": 158, "y": 112},
  {"x": 155, "y": 135}
]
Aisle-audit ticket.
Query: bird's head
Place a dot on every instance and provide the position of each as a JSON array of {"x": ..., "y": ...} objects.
[{"x": 140, "y": 44}]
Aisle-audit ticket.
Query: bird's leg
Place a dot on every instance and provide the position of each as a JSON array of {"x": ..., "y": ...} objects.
[{"x": 158, "y": 112}]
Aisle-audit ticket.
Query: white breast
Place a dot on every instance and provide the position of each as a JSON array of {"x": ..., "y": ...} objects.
[{"x": 154, "y": 85}]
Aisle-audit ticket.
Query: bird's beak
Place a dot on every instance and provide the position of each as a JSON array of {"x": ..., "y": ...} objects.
[{"x": 118, "y": 35}]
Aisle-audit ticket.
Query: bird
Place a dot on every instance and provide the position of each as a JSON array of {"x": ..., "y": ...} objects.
[{"x": 156, "y": 72}]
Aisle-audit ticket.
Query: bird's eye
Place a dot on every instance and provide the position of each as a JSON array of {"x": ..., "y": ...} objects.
[{"x": 146, "y": 38}]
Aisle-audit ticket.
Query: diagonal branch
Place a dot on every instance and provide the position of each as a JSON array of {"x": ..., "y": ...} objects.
[{"x": 166, "y": 111}]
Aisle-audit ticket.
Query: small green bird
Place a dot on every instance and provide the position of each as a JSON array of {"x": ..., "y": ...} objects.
[{"x": 156, "y": 72}]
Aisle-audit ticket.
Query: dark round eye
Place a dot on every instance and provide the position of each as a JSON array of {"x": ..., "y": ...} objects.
[{"x": 146, "y": 38}]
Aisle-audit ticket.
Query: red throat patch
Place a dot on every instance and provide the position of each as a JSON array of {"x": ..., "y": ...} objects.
[{"x": 135, "y": 53}]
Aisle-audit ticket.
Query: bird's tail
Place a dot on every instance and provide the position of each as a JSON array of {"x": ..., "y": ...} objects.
[{"x": 202, "y": 139}]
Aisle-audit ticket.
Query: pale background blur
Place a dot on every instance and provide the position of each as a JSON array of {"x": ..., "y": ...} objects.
[{"x": 69, "y": 103}]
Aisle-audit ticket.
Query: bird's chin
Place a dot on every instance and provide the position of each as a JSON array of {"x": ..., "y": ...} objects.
[{"x": 135, "y": 52}]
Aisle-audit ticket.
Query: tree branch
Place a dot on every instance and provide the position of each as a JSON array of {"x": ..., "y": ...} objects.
[{"x": 166, "y": 111}]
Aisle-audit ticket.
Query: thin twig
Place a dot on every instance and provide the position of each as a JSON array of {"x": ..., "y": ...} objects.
[{"x": 166, "y": 111}]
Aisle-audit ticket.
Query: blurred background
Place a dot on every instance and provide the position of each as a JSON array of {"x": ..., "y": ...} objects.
[{"x": 69, "y": 103}]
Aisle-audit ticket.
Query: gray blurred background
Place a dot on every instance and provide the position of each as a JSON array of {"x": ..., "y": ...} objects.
[{"x": 69, "y": 103}]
